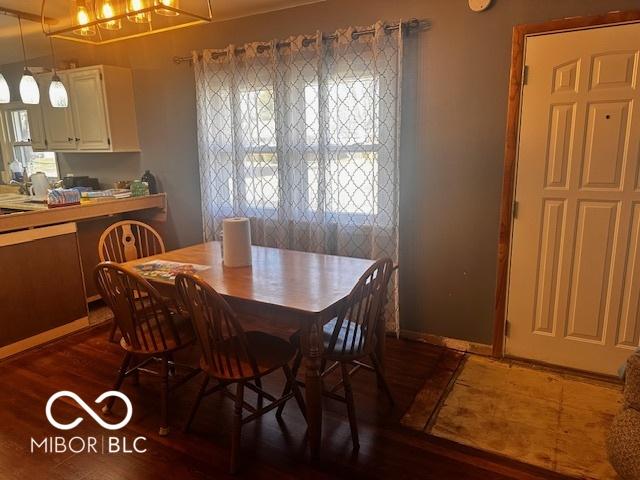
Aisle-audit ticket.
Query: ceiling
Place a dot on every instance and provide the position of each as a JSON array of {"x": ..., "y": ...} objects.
[{"x": 37, "y": 44}]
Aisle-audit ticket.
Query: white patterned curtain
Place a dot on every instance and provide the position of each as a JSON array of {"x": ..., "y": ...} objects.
[{"x": 301, "y": 136}]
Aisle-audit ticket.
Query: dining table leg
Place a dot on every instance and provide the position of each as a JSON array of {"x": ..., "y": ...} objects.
[{"x": 312, "y": 349}]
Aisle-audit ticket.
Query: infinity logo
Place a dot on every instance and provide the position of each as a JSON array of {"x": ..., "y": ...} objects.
[{"x": 89, "y": 410}]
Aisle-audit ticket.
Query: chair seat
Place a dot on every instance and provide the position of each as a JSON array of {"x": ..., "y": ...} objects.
[
  {"x": 351, "y": 337},
  {"x": 270, "y": 352},
  {"x": 185, "y": 331}
]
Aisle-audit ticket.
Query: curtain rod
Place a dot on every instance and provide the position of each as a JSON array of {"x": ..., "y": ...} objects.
[{"x": 413, "y": 24}]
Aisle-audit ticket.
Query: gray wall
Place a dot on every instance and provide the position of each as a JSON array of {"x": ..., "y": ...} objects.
[{"x": 455, "y": 122}]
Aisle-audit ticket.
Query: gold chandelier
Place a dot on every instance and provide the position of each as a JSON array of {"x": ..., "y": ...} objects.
[{"x": 107, "y": 21}]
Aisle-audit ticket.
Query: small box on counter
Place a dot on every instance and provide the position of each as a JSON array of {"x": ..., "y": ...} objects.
[
  {"x": 82, "y": 182},
  {"x": 105, "y": 195},
  {"x": 63, "y": 197}
]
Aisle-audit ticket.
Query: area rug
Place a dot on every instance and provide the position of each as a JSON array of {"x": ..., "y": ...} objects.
[{"x": 552, "y": 420}]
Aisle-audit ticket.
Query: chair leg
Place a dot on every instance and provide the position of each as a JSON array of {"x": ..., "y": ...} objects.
[
  {"x": 323, "y": 366},
  {"x": 172, "y": 366},
  {"x": 112, "y": 333},
  {"x": 164, "y": 397},
  {"x": 260, "y": 396},
  {"x": 237, "y": 428},
  {"x": 288, "y": 385},
  {"x": 121, "y": 374},
  {"x": 296, "y": 391},
  {"x": 296, "y": 364},
  {"x": 194, "y": 409},
  {"x": 382, "y": 381},
  {"x": 351, "y": 409}
]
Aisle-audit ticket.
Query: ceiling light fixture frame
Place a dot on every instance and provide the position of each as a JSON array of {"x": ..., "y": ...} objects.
[{"x": 67, "y": 32}]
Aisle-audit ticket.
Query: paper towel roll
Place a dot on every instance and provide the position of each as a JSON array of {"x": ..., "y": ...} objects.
[{"x": 236, "y": 242}]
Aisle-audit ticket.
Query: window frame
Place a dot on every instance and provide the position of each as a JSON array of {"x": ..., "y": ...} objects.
[
  {"x": 331, "y": 150},
  {"x": 8, "y": 141}
]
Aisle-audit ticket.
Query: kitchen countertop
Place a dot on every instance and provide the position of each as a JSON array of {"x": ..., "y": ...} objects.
[
  {"x": 13, "y": 201},
  {"x": 29, "y": 214}
]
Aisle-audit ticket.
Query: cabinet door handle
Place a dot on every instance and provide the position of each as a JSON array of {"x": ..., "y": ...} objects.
[
  {"x": 77, "y": 139},
  {"x": 69, "y": 139}
]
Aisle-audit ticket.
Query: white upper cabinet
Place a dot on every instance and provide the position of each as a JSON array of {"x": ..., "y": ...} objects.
[
  {"x": 36, "y": 129},
  {"x": 101, "y": 116},
  {"x": 87, "y": 102},
  {"x": 58, "y": 127}
]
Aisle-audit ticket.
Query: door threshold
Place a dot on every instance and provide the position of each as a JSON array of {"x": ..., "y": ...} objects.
[{"x": 575, "y": 372}]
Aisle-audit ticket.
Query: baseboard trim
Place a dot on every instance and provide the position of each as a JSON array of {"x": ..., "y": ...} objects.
[
  {"x": 452, "y": 343},
  {"x": 43, "y": 338},
  {"x": 94, "y": 298}
]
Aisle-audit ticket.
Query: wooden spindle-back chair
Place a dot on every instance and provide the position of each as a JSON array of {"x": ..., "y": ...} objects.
[
  {"x": 150, "y": 329},
  {"x": 129, "y": 240},
  {"x": 354, "y": 332},
  {"x": 126, "y": 241},
  {"x": 351, "y": 337},
  {"x": 232, "y": 356}
]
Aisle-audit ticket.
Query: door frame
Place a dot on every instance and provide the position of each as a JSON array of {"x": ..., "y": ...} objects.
[{"x": 518, "y": 45}]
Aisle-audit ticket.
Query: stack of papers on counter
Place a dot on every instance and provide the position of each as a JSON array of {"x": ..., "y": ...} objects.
[{"x": 111, "y": 194}]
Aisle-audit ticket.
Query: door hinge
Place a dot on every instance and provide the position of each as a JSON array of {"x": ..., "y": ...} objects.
[
  {"x": 108, "y": 141},
  {"x": 100, "y": 76},
  {"x": 516, "y": 206},
  {"x": 507, "y": 328},
  {"x": 525, "y": 75}
]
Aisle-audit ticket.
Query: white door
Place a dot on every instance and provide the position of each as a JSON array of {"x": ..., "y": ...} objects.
[
  {"x": 574, "y": 285},
  {"x": 58, "y": 122},
  {"x": 88, "y": 108}
]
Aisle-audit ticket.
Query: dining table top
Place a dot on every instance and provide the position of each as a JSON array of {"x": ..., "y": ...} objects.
[{"x": 310, "y": 283}]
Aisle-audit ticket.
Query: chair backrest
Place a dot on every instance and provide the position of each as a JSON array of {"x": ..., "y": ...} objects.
[
  {"x": 141, "y": 313},
  {"x": 129, "y": 240},
  {"x": 354, "y": 333},
  {"x": 221, "y": 337}
]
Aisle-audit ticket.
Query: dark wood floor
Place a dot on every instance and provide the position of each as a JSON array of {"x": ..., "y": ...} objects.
[{"x": 86, "y": 364}]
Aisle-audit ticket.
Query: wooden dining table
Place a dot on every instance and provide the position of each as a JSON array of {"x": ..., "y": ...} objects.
[{"x": 281, "y": 285}]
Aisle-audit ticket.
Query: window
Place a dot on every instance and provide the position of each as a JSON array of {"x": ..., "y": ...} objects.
[
  {"x": 19, "y": 145},
  {"x": 260, "y": 179},
  {"x": 353, "y": 141},
  {"x": 350, "y": 185}
]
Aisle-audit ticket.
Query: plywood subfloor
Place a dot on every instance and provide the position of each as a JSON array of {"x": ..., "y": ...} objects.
[{"x": 552, "y": 420}]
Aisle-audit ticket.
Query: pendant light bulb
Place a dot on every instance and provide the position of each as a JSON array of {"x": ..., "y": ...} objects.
[
  {"x": 165, "y": 11},
  {"x": 81, "y": 18},
  {"x": 5, "y": 93},
  {"x": 134, "y": 7},
  {"x": 58, "y": 95},
  {"x": 106, "y": 12},
  {"x": 29, "y": 91}
]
